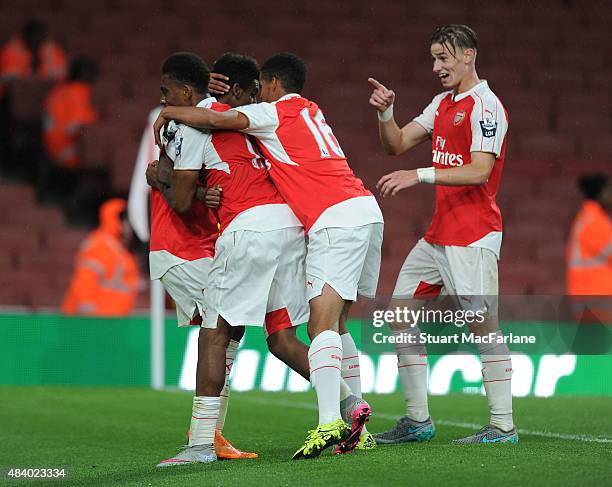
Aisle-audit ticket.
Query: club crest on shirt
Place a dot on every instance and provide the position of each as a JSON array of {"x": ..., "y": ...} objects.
[
  {"x": 178, "y": 143},
  {"x": 488, "y": 127},
  {"x": 459, "y": 116}
]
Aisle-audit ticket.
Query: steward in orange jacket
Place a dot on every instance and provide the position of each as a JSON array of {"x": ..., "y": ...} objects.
[
  {"x": 106, "y": 278},
  {"x": 589, "y": 252},
  {"x": 32, "y": 55},
  {"x": 68, "y": 109}
]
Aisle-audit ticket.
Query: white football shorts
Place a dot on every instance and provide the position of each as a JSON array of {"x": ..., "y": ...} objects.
[
  {"x": 345, "y": 258},
  {"x": 470, "y": 273},
  {"x": 186, "y": 284},
  {"x": 255, "y": 273}
]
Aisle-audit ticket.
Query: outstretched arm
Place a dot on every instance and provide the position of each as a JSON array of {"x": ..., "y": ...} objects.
[
  {"x": 474, "y": 174},
  {"x": 201, "y": 118},
  {"x": 393, "y": 139}
]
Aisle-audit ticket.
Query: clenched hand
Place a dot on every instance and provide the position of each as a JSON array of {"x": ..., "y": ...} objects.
[{"x": 211, "y": 197}]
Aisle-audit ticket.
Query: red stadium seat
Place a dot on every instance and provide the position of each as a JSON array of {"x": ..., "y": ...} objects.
[
  {"x": 588, "y": 122},
  {"x": 121, "y": 165},
  {"x": 600, "y": 81},
  {"x": 16, "y": 195},
  {"x": 577, "y": 57},
  {"x": 65, "y": 240},
  {"x": 97, "y": 144},
  {"x": 28, "y": 99},
  {"x": 597, "y": 149},
  {"x": 58, "y": 262},
  {"x": 558, "y": 80},
  {"x": 20, "y": 239},
  {"x": 34, "y": 218},
  {"x": 545, "y": 145}
]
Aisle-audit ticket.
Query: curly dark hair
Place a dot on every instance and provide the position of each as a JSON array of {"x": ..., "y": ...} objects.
[{"x": 188, "y": 68}]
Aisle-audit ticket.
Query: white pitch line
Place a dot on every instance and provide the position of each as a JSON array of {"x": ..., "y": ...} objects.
[{"x": 445, "y": 422}]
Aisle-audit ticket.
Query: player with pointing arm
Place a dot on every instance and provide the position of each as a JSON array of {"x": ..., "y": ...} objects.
[{"x": 458, "y": 255}]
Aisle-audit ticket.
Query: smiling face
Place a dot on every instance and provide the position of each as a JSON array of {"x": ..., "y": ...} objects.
[{"x": 451, "y": 67}]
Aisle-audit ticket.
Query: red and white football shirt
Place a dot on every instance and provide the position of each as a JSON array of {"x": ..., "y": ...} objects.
[
  {"x": 179, "y": 237},
  {"x": 249, "y": 200},
  {"x": 308, "y": 166},
  {"x": 473, "y": 121}
]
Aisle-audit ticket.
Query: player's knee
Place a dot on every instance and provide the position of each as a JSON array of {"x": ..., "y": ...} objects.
[{"x": 216, "y": 337}]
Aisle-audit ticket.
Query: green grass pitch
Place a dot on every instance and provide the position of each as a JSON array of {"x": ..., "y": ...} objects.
[{"x": 111, "y": 437}]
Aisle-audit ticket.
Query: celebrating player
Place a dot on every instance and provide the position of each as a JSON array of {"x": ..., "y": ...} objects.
[
  {"x": 459, "y": 253},
  {"x": 257, "y": 273},
  {"x": 183, "y": 235},
  {"x": 344, "y": 226}
]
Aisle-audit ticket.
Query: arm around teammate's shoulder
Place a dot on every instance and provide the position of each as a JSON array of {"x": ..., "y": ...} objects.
[{"x": 201, "y": 118}]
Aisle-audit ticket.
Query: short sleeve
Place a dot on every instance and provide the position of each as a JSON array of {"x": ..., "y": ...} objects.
[
  {"x": 186, "y": 149},
  {"x": 427, "y": 118},
  {"x": 489, "y": 125},
  {"x": 263, "y": 118}
]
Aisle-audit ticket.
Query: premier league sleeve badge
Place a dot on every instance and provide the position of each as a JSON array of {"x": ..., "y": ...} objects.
[{"x": 488, "y": 127}]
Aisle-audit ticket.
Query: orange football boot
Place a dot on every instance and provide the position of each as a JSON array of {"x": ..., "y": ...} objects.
[{"x": 226, "y": 451}]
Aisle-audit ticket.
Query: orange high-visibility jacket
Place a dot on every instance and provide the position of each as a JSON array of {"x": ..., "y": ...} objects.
[
  {"x": 106, "y": 278},
  {"x": 16, "y": 61},
  {"x": 68, "y": 109},
  {"x": 589, "y": 252}
]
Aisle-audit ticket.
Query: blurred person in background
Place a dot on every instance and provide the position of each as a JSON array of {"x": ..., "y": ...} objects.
[
  {"x": 32, "y": 54},
  {"x": 68, "y": 110},
  {"x": 106, "y": 277},
  {"x": 589, "y": 252},
  {"x": 27, "y": 56}
]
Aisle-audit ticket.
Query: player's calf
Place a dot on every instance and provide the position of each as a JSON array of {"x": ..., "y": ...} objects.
[{"x": 287, "y": 347}]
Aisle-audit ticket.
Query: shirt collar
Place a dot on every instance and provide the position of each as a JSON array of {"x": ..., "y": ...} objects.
[
  {"x": 207, "y": 102},
  {"x": 288, "y": 95},
  {"x": 482, "y": 84}
]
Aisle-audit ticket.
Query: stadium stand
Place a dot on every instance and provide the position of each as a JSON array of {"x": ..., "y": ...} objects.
[{"x": 560, "y": 111}]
